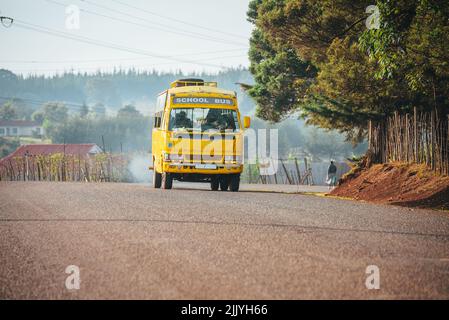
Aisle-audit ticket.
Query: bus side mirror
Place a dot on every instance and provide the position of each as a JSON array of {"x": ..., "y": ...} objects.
[{"x": 246, "y": 122}]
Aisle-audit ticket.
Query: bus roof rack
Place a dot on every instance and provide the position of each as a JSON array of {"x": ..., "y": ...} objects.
[{"x": 191, "y": 82}]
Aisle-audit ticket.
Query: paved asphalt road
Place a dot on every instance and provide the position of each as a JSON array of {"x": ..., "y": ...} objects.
[{"x": 131, "y": 241}]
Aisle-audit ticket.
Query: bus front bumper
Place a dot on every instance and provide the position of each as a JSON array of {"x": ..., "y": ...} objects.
[{"x": 203, "y": 168}]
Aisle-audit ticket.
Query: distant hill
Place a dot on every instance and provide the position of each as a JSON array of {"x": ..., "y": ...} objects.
[{"x": 111, "y": 89}]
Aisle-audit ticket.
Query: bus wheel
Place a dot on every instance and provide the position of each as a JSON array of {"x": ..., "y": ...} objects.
[
  {"x": 234, "y": 182},
  {"x": 157, "y": 179},
  {"x": 167, "y": 180},
  {"x": 224, "y": 183},
  {"x": 214, "y": 183}
]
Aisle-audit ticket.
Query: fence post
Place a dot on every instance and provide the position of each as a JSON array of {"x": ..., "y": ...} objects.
[
  {"x": 27, "y": 168},
  {"x": 432, "y": 138},
  {"x": 307, "y": 170},
  {"x": 13, "y": 175},
  {"x": 286, "y": 172},
  {"x": 370, "y": 135},
  {"x": 79, "y": 167},
  {"x": 407, "y": 139},
  {"x": 447, "y": 147},
  {"x": 396, "y": 136},
  {"x": 415, "y": 134},
  {"x": 24, "y": 169},
  {"x": 297, "y": 171}
]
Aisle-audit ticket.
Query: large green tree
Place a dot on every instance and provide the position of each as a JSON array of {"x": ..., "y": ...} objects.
[
  {"x": 412, "y": 45},
  {"x": 7, "y": 112},
  {"x": 347, "y": 87},
  {"x": 282, "y": 79},
  {"x": 20, "y": 109}
]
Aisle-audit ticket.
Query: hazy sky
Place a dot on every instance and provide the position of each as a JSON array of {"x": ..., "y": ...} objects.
[{"x": 164, "y": 35}]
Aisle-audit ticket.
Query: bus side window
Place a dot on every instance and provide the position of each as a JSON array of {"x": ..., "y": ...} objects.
[
  {"x": 160, "y": 105},
  {"x": 158, "y": 119}
]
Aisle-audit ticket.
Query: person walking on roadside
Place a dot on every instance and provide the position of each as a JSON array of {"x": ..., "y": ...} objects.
[{"x": 332, "y": 175}]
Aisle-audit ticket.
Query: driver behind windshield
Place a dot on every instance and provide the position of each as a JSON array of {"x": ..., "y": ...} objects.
[
  {"x": 230, "y": 123},
  {"x": 215, "y": 121}
]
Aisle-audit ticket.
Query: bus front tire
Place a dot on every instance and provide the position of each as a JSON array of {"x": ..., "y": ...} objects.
[
  {"x": 157, "y": 180},
  {"x": 167, "y": 181},
  {"x": 234, "y": 182},
  {"x": 214, "y": 183},
  {"x": 224, "y": 183}
]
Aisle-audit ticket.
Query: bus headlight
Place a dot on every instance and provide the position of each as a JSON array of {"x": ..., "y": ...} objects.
[
  {"x": 232, "y": 159},
  {"x": 176, "y": 157},
  {"x": 173, "y": 157}
]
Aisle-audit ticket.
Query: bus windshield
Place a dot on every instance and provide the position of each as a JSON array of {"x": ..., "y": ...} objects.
[{"x": 203, "y": 120}]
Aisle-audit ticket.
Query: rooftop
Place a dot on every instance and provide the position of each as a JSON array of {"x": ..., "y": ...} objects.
[
  {"x": 49, "y": 149},
  {"x": 19, "y": 123}
]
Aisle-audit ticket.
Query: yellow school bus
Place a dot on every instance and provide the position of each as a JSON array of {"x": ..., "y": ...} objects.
[{"x": 198, "y": 136}]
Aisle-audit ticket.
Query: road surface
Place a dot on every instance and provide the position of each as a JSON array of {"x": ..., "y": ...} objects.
[{"x": 131, "y": 241}]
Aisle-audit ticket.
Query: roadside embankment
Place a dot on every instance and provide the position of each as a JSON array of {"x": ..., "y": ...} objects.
[{"x": 396, "y": 183}]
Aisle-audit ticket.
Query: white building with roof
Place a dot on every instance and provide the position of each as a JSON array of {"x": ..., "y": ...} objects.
[{"x": 20, "y": 128}]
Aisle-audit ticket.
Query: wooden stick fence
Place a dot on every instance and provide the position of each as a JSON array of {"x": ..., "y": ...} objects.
[
  {"x": 421, "y": 137},
  {"x": 59, "y": 167},
  {"x": 290, "y": 171}
]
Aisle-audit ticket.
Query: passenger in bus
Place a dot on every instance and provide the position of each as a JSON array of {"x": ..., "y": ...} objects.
[{"x": 182, "y": 121}]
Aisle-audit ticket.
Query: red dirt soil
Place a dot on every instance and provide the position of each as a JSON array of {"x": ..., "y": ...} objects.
[{"x": 399, "y": 184}]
